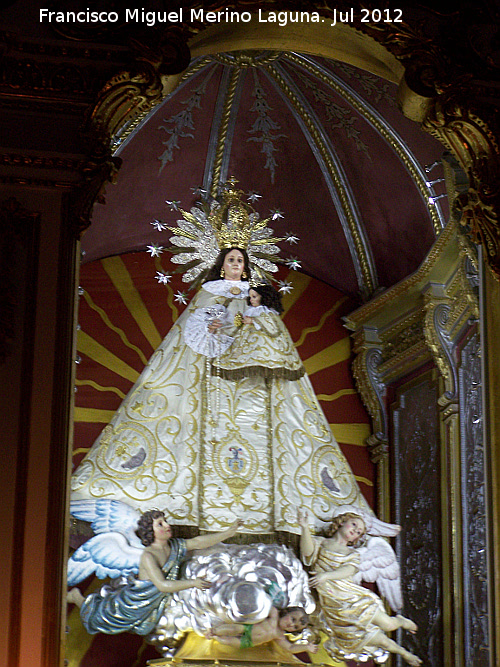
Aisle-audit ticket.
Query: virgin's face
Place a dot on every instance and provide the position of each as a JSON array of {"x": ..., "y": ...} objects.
[
  {"x": 161, "y": 528},
  {"x": 254, "y": 297},
  {"x": 234, "y": 264}
]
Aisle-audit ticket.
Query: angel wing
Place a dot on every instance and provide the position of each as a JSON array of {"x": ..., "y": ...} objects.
[
  {"x": 106, "y": 555},
  {"x": 378, "y": 564},
  {"x": 107, "y": 516},
  {"x": 115, "y": 550}
]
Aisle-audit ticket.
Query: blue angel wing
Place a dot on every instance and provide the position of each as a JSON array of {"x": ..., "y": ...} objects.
[
  {"x": 106, "y": 555},
  {"x": 107, "y": 516}
]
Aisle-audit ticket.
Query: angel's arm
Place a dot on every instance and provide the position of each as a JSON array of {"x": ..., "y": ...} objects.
[
  {"x": 306, "y": 539},
  {"x": 296, "y": 647},
  {"x": 204, "y": 541},
  {"x": 153, "y": 573},
  {"x": 342, "y": 572}
]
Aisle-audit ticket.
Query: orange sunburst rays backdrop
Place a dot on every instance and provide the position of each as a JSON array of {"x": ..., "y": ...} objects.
[{"x": 123, "y": 316}]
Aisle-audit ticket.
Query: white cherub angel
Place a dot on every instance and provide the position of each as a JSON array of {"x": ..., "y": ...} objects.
[
  {"x": 353, "y": 616},
  {"x": 138, "y": 552}
]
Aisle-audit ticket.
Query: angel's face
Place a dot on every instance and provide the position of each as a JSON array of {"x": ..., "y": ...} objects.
[
  {"x": 234, "y": 265},
  {"x": 352, "y": 529},
  {"x": 295, "y": 621},
  {"x": 161, "y": 528}
]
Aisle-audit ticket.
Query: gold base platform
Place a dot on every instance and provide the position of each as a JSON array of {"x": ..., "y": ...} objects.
[{"x": 197, "y": 651}]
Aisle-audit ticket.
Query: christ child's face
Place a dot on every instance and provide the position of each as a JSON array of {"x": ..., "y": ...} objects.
[
  {"x": 254, "y": 297},
  {"x": 161, "y": 528},
  {"x": 234, "y": 265},
  {"x": 295, "y": 621}
]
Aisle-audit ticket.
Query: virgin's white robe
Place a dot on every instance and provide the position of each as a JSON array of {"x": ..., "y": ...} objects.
[{"x": 208, "y": 449}]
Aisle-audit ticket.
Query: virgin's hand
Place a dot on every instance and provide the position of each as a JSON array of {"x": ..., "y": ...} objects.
[
  {"x": 318, "y": 579},
  {"x": 202, "y": 584},
  {"x": 247, "y": 320},
  {"x": 214, "y": 325},
  {"x": 312, "y": 648}
]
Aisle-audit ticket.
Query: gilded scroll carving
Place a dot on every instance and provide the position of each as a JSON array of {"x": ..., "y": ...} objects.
[{"x": 372, "y": 390}]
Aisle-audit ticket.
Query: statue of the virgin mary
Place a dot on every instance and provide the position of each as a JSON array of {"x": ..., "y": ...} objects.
[{"x": 209, "y": 435}]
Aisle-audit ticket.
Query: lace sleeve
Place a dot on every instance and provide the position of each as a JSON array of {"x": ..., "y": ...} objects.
[{"x": 198, "y": 337}]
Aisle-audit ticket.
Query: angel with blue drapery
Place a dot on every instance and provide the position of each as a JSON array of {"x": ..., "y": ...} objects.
[
  {"x": 132, "y": 603},
  {"x": 165, "y": 587}
]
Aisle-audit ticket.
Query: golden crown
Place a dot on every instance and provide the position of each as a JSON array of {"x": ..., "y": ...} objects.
[{"x": 227, "y": 222}]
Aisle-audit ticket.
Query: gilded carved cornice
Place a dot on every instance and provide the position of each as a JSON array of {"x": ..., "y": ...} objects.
[
  {"x": 135, "y": 91},
  {"x": 474, "y": 143}
]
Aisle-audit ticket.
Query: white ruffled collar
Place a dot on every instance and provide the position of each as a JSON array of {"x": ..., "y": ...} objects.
[
  {"x": 254, "y": 311},
  {"x": 223, "y": 288}
]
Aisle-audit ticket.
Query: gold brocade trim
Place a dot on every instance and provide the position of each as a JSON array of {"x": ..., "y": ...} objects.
[
  {"x": 398, "y": 147},
  {"x": 358, "y": 244},
  {"x": 257, "y": 371}
]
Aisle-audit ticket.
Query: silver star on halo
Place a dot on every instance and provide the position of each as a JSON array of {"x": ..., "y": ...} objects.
[
  {"x": 181, "y": 297},
  {"x": 285, "y": 286},
  {"x": 277, "y": 214},
  {"x": 173, "y": 204},
  {"x": 293, "y": 263},
  {"x": 155, "y": 250},
  {"x": 159, "y": 225},
  {"x": 291, "y": 238},
  {"x": 163, "y": 278},
  {"x": 253, "y": 196}
]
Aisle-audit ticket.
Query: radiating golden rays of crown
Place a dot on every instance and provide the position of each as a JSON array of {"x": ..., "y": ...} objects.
[{"x": 229, "y": 222}]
